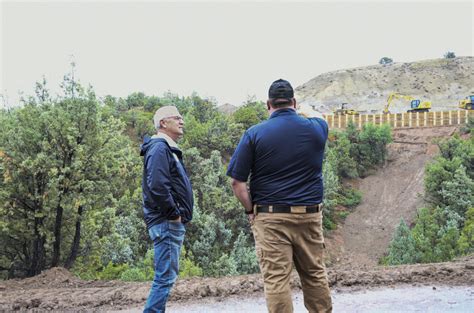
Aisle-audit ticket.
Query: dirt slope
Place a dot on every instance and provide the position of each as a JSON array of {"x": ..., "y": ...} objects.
[
  {"x": 442, "y": 81},
  {"x": 393, "y": 193}
]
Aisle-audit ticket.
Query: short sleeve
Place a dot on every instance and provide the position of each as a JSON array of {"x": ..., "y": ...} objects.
[{"x": 242, "y": 160}]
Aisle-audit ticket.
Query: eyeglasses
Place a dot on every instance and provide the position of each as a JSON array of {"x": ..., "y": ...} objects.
[{"x": 176, "y": 118}]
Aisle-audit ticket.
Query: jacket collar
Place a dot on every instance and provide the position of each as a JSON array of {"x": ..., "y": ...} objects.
[{"x": 168, "y": 139}]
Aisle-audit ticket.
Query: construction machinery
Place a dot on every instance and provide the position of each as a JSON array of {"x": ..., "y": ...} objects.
[
  {"x": 416, "y": 105},
  {"x": 345, "y": 111},
  {"x": 467, "y": 103}
]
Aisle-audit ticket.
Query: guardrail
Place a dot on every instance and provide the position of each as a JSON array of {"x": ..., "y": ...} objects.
[{"x": 401, "y": 120}]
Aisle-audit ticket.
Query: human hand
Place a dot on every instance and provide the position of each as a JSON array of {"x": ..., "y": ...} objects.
[
  {"x": 251, "y": 218},
  {"x": 308, "y": 111}
]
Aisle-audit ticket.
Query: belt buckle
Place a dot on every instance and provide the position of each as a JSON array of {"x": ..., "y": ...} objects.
[{"x": 298, "y": 209}]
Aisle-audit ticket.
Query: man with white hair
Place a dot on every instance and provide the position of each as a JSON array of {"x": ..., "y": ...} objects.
[{"x": 167, "y": 202}]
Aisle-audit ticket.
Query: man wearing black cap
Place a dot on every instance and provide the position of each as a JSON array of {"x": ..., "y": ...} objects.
[{"x": 283, "y": 157}]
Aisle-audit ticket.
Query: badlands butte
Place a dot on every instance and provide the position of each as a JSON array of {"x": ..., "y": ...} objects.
[{"x": 442, "y": 81}]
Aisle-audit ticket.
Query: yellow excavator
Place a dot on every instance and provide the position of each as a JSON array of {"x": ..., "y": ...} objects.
[
  {"x": 468, "y": 103},
  {"x": 415, "y": 104},
  {"x": 345, "y": 111}
]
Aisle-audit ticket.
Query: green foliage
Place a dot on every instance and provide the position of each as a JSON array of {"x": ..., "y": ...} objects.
[
  {"x": 445, "y": 230},
  {"x": 466, "y": 240},
  {"x": 340, "y": 156},
  {"x": 75, "y": 159},
  {"x": 371, "y": 148},
  {"x": 440, "y": 174},
  {"x": 449, "y": 55},
  {"x": 63, "y": 164},
  {"x": 112, "y": 271},
  {"x": 356, "y": 152},
  {"x": 331, "y": 180},
  {"x": 385, "y": 61},
  {"x": 351, "y": 197},
  {"x": 187, "y": 267},
  {"x": 133, "y": 274},
  {"x": 457, "y": 194},
  {"x": 244, "y": 255},
  {"x": 251, "y": 113},
  {"x": 402, "y": 247}
]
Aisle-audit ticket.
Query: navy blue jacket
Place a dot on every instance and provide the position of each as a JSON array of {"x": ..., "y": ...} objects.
[
  {"x": 283, "y": 156},
  {"x": 167, "y": 191}
]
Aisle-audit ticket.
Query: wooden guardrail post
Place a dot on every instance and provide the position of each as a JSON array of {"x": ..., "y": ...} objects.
[{"x": 428, "y": 119}]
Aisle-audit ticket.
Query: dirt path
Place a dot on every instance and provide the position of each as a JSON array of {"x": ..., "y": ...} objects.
[
  {"x": 58, "y": 290},
  {"x": 393, "y": 193}
]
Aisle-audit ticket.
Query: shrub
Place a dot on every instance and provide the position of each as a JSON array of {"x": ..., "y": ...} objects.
[
  {"x": 385, "y": 61},
  {"x": 449, "y": 55}
]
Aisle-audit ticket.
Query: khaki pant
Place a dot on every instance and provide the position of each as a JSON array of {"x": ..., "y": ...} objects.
[{"x": 284, "y": 239}]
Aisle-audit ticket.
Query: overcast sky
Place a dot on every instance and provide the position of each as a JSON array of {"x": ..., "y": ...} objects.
[{"x": 225, "y": 50}]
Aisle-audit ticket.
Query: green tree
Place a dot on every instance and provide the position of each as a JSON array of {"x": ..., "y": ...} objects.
[
  {"x": 466, "y": 240},
  {"x": 458, "y": 193},
  {"x": 251, "y": 113},
  {"x": 449, "y": 55},
  {"x": 62, "y": 162},
  {"x": 244, "y": 255},
  {"x": 385, "y": 61},
  {"x": 402, "y": 249}
]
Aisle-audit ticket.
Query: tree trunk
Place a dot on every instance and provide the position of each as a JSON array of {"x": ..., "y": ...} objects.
[
  {"x": 57, "y": 236},
  {"x": 77, "y": 240},
  {"x": 38, "y": 257}
]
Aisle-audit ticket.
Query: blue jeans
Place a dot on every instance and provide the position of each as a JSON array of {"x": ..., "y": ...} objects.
[{"x": 167, "y": 239}]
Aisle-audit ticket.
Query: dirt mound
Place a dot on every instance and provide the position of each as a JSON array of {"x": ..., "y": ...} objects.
[
  {"x": 95, "y": 296},
  {"x": 54, "y": 277}
]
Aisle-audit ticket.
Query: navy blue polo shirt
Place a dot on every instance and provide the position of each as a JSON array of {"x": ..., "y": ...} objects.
[{"x": 283, "y": 156}]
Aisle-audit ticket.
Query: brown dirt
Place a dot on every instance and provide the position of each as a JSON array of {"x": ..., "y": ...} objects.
[
  {"x": 56, "y": 289},
  {"x": 354, "y": 248},
  {"x": 390, "y": 194}
]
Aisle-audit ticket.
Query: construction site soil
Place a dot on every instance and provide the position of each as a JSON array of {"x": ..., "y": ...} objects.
[{"x": 353, "y": 249}]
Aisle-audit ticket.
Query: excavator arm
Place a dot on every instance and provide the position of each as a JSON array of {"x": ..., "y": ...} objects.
[
  {"x": 415, "y": 103},
  {"x": 393, "y": 96}
]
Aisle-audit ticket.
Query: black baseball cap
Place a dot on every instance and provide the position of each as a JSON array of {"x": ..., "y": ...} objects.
[{"x": 280, "y": 89}]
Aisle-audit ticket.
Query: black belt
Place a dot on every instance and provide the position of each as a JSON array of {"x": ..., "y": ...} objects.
[{"x": 263, "y": 208}]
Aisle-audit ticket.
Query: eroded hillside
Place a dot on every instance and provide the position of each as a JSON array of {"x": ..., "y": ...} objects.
[{"x": 442, "y": 81}]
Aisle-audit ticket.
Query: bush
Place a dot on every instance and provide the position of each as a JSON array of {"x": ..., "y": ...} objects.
[
  {"x": 187, "y": 267},
  {"x": 133, "y": 274},
  {"x": 449, "y": 55},
  {"x": 466, "y": 240},
  {"x": 351, "y": 197},
  {"x": 385, "y": 61},
  {"x": 402, "y": 248},
  {"x": 112, "y": 271}
]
